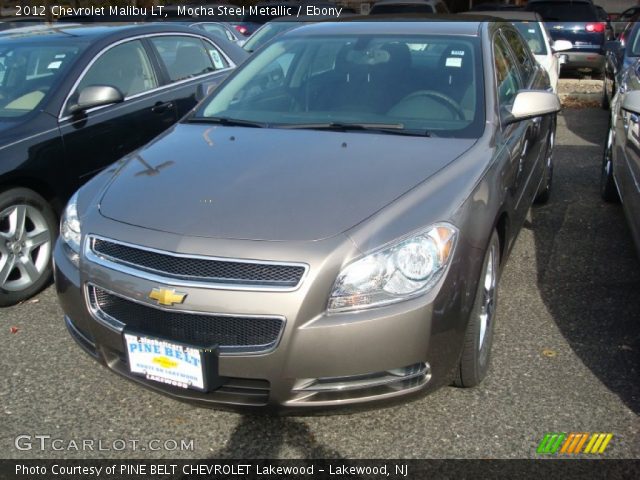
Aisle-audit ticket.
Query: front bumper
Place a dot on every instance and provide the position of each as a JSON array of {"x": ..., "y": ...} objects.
[{"x": 320, "y": 361}]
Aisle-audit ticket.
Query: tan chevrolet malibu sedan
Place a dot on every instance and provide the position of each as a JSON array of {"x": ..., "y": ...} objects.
[{"x": 326, "y": 229}]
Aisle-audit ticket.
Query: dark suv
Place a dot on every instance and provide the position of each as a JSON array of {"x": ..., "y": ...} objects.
[{"x": 578, "y": 22}]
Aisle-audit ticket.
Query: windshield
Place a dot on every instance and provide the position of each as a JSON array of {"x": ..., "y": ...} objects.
[
  {"x": 28, "y": 72},
  {"x": 531, "y": 32},
  {"x": 420, "y": 84},
  {"x": 268, "y": 32}
]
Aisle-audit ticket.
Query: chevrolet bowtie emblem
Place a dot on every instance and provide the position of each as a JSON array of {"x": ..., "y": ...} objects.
[{"x": 164, "y": 296}]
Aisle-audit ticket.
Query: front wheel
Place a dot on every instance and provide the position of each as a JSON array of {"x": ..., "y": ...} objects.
[
  {"x": 27, "y": 231},
  {"x": 607, "y": 92},
  {"x": 476, "y": 351},
  {"x": 608, "y": 190},
  {"x": 544, "y": 194}
]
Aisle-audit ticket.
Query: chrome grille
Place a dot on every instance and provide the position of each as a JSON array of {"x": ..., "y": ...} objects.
[
  {"x": 230, "y": 333},
  {"x": 201, "y": 269}
]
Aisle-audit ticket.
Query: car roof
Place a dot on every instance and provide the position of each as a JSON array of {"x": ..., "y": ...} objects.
[
  {"x": 392, "y": 25},
  {"x": 511, "y": 15},
  {"x": 93, "y": 31}
]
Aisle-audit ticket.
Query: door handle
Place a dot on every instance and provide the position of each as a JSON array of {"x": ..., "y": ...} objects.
[{"x": 162, "y": 107}]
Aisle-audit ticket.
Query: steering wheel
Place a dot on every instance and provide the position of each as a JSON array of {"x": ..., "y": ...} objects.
[{"x": 445, "y": 100}]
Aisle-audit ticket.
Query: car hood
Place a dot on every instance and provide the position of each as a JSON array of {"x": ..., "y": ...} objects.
[
  {"x": 268, "y": 184},
  {"x": 8, "y": 127}
]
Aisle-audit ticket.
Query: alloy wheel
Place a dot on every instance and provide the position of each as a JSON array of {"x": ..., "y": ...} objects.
[
  {"x": 487, "y": 308},
  {"x": 25, "y": 247}
]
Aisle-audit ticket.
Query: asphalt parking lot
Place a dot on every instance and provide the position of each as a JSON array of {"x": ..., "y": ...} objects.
[{"x": 566, "y": 358}]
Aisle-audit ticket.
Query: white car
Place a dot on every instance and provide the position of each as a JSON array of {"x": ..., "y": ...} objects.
[{"x": 532, "y": 29}]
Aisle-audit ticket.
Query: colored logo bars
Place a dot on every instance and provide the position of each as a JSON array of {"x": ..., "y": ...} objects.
[{"x": 574, "y": 443}]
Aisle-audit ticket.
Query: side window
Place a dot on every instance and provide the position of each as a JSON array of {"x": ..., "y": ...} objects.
[
  {"x": 215, "y": 29},
  {"x": 521, "y": 51},
  {"x": 125, "y": 67},
  {"x": 507, "y": 79},
  {"x": 184, "y": 57},
  {"x": 218, "y": 59},
  {"x": 627, "y": 14}
]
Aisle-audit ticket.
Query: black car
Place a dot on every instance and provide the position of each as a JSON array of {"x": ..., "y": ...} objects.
[
  {"x": 577, "y": 21},
  {"x": 603, "y": 16},
  {"x": 73, "y": 99}
]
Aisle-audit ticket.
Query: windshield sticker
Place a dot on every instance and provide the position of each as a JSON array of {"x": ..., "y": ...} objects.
[
  {"x": 54, "y": 65},
  {"x": 454, "y": 62}
]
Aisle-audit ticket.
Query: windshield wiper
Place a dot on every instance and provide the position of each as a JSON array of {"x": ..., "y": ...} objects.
[
  {"x": 392, "y": 128},
  {"x": 227, "y": 122}
]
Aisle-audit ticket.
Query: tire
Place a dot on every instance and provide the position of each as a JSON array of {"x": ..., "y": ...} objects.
[
  {"x": 544, "y": 194},
  {"x": 28, "y": 228},
  {"x": 476, "y": 350},
  {"x": 608, "y": 190},
  {"x": 605, "y": 103}
]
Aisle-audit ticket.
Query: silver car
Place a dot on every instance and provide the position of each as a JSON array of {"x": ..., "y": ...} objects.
[
  {"x": 620, "y": 174},
  {"x": 328, "y": 228}
]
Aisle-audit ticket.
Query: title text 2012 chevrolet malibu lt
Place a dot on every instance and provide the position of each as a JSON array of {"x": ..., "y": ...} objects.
[{"x": 327, "y": 229}]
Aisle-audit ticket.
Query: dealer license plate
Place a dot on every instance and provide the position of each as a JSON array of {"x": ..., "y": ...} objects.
[{"x": 166, "y": 362}]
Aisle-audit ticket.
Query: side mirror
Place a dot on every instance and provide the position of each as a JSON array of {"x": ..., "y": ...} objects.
[
  {"x": 96, "y": 96},
  {"x": 561, "y": 45},
  {"x": 533, "y": 103},
  {"x": 631, "y": 101}
]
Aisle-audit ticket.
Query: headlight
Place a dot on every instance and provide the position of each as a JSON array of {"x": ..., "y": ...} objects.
[
  {"x": 70, "y": 231},
  {"x": 394, "y": 273}
]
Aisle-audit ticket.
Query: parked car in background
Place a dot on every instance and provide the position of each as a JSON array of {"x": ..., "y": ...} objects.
[
  {"x": 269, "y": 31},
  {"x": 620, "y": 54},
  {"x": 532, "y": 29},
  {"x": 332, "y": 236},
  {"x": 493, "y": 7},
  {"x": 392, "y": 7},
  {"x": 575, "y": 21},
  {"x": 250, "y": 22},
  {"x": 9, "y": 23},
  {"x": 278, "y": 26},
  {"x": 624, "y": 18},
  {"x": 222, "y": 30},
  {"x": 620, "y": 174},
  {"x": 603, "y": 16},
  {"x": 73, "y": 99}
]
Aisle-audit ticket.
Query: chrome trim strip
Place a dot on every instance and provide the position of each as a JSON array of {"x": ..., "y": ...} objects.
[
  {"x": 343, "y": 384},
  {"x": 227, "y": 350},
  {"x": 159, "y": 88},
  {"x": 163, "y": 277}
]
